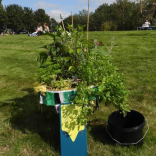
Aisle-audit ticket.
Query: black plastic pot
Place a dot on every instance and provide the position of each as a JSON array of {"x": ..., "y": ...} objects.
[{"x": 126, "y": 130}]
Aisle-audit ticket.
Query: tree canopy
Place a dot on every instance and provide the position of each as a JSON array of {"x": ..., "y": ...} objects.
[
  {"x": 3, "y": 16},
  {"x": 17, "y": 18},
  {"x": 121, "y": 15},
  {"x": 15, "y": 15}
]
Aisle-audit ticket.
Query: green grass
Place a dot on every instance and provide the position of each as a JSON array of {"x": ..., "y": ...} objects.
[{"x": 25, "y": 131}]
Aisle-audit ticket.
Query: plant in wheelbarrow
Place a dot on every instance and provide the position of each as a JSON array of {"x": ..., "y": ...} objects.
[{"x": 74, "y": 63}]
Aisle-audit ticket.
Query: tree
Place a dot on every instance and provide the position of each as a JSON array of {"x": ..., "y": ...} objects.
[
  {"x": 92, "y": 22},
  {"x": 82, "y": 18},
  {"x": 146, "y": 10},
  {"x": 3, "y": 16},
  {"x": 101, "y": 15},
  {"x": 123, "y": 14},
  {"x": 68, "y": 20},
  {"x": 78, "y": 19},
  {"x": 28, "y": 19},
  {"x": 15, "y": 17},
  {"x": 53, "y": 24},
  {"x": 41, "y": 17}
]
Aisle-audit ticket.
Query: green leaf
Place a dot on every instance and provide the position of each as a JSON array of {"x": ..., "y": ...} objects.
[
  {"x": 79, "y": 51},
  {"x": 71, "y": 51},
  {"x": 70, "y": 68}
]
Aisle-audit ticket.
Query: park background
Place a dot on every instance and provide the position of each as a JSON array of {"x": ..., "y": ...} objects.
[{"x": 120, "y": 15}]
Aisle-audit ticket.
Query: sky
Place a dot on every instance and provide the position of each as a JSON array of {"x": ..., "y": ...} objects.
[{"x": 55, "y": 7}]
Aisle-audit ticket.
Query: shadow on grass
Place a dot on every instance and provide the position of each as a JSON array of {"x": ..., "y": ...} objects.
[
  {"x": 26, "y": 116},
  {"x": 98, "y": 132}
]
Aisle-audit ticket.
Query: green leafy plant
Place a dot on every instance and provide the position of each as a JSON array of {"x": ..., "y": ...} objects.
[
  {"x": 63, "y": 57},
  {"x": 98, "y": 70},
  {"x": 71, "y": 55}
]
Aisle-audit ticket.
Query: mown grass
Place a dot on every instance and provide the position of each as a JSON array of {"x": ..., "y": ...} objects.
[{"x": 25, "y": 131}]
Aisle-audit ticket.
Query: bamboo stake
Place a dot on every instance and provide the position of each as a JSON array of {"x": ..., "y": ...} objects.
[
  {"x": 63, "y": 25},
  {"x": 88, "y": 20},
  {"x": 62, "y": 22}
]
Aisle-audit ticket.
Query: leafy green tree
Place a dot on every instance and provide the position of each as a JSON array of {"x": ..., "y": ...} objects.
[
  {"x": 146, "y": 10},
  {"x": 28, "y": 19},
  {"x": 134, "y": 18},
  {"x": 78, "y": 19},
  {"x": 129, "y": 15},
  {"x": 53, "y": 24},
  {"x": 92, "y": 22},
  {"x": 41, "y": 17},
  {"x": 124, "y": 14},
  {"x": 3, "y": 16},
  {"x": 82, "y": 18},
  {"x": 15, "y": 17},
  {"x": 101, "y": 15},
  {"x": 68, "y": 20}
]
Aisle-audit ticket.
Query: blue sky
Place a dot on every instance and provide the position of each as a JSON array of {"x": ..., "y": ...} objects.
[{"x": 55, "y": 7}]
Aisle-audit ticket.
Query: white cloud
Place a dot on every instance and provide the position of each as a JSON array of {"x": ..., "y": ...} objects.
[
  {"x": 45, "y": 5},
  {"x": 56, "y": 14},
  {"x": 100, "y": 2},
  {"x": 93, "y": 4},
  {"x": 54, "y": 10}
]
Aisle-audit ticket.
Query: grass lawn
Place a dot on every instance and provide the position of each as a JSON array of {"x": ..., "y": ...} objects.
[{"x": 25, "y": 131}]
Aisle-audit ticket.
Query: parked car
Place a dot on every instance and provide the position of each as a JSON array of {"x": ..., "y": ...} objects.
[
  {"x": 21, "y": 31},
  {"x": 24, "y": 31}
]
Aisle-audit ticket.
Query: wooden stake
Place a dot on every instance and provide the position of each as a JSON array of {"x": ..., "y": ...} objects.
[
  {"x": 62, "y": 21},
  {"x": 63, "y": 25},
  {"x": 88, "y": 20}
]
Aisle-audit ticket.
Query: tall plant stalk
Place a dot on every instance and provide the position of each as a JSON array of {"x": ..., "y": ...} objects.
[{"x": 88, "y": 20}]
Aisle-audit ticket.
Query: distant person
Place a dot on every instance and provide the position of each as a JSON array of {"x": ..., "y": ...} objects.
[
  {"x": 46, "y": 28},
  {"x": 38, "y": 31},
  {"x": 146, "y": 25}
]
